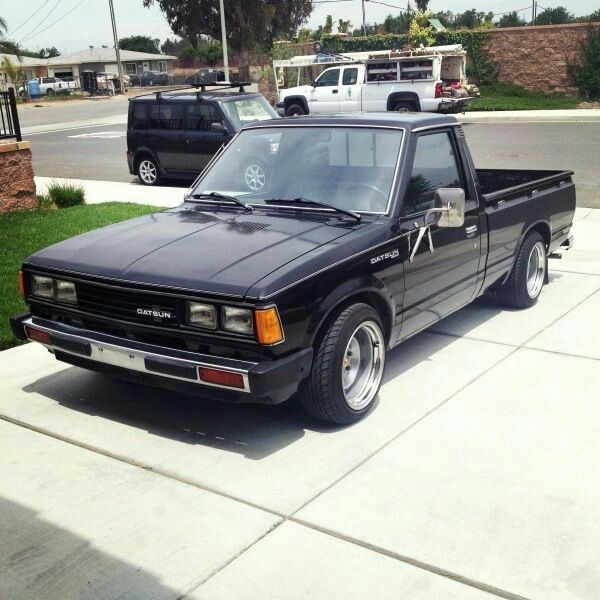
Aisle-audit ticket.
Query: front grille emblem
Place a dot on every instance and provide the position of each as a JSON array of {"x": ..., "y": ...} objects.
[{"x": 155, "y": 312}]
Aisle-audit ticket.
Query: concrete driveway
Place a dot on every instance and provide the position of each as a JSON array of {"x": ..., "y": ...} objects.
[{"x": 476, "y": 475}]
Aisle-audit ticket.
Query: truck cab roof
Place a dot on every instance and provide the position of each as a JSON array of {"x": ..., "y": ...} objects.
[{"x": 400, "y": 120}]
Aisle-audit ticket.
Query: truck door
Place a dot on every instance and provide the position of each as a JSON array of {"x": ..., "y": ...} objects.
[
  {"x": 201, "y": 141},
  {"x": 350, "y": 90},
  {"x": 325, "y": 95},
  {"x": 165, "y": 134},
  {"x": 439, "y": 283}
]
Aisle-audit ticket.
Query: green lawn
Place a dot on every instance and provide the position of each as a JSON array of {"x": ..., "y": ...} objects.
[
  {"x": 23, "y": 233},
  {"x": 503, "y": 96}
]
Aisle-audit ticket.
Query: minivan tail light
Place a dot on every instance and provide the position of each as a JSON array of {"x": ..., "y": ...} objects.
[{"x": 439, "y": 90}]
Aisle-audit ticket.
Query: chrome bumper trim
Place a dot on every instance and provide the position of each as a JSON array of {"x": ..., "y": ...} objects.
[{"x": 132, "y": 355}]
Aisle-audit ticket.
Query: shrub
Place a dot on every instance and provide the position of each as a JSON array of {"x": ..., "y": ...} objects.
[
  {"x": 44, "y": 202},
  {"x": 586, "y": 76},
  {"x": 66, "y": 194}
]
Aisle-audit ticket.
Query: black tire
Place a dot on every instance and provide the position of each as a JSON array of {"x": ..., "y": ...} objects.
[
  {"x": 49, "y": 92},
  {"x": 404, "y": 107},
  {"x": 515, "y": 292},
  {"x": 144, "y": 166},
  {"x": 322, "y": 393},
  {"x": 295, "y": 110}
]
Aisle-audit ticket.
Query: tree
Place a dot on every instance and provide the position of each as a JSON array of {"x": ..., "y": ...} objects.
[
  {"x": 249, "y": 24},
  {"x": 49, "y": 52},
  {"x": 586, "y": 75},
  {"x": 422, "y": 5},
  {"x": 594, "y": 17},
  {"x": 511, "y": 20},
  {"x": 473, "y": 18},
  {"x": 140, "y": 43},
  {"x": 3, "y": 27},
  {"x": 210, "y": 53},
  {"x": 398, "y": 24},
  {"x": 420, "y": 31},
  {"x": 554, "y": 16},
  {"x": 344, "y": 26}
]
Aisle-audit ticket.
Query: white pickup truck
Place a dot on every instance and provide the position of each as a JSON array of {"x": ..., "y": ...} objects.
[
  {"x": 54, "y": 85},
  {"x": 428, "y": 80}
]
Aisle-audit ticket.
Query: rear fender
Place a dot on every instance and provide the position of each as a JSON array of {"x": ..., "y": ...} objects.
[{"x": 411, "y": 97}]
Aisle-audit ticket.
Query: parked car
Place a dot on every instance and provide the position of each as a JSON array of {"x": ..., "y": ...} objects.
[
  {"x": 176, "y": 135},
  {"x": 371, "y": 229},
  {"x": 429, "y": 80},
  {"x": 149, "y": 78},
  {"x": 205, "y": 75},
  {"x": 50, "y": 86}
]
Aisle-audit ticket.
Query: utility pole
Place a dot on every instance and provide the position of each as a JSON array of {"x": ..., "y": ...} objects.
[
  {"x": 224, "y": 41},
  {"x": 364, "y": 20},
  {"x": 533, "y": 12},
  {"x": 117, "y": 50}
]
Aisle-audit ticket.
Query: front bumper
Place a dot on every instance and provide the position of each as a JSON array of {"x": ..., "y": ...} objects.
[{"x": 268, "y": 381}]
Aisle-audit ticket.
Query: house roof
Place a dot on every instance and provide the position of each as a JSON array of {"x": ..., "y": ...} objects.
[
  {"x": 104, "y": 55},
  {"x": 24, "y": 61}
]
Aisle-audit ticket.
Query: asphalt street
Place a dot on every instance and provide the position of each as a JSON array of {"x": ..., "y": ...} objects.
[{"x": 90, "y": 144}]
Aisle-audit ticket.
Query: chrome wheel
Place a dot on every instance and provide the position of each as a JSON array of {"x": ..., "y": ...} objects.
[
  {"x": 255, "y": 177},
  {"x": 147, "y": 172},
  {"x": 362, "y": 365},
  {"x": 536, "y": 270}
]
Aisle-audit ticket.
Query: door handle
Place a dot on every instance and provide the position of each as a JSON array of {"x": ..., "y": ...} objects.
[
  {"x": 472, "y": 230},
  {"x": 334, "y": 91}
]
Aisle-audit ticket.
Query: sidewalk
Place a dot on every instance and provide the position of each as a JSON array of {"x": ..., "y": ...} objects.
[
  {"x": 532, "y": 116},
  {"x": 117, "y": 191}
]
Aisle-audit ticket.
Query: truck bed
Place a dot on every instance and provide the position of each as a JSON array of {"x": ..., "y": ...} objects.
[{"x": 496, "y": 183}]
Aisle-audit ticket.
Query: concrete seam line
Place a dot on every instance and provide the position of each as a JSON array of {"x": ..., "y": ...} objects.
[
  {"x": 199, "y": 584},
  {"x": 472, "y": 339},
  {"x": 402, "y": 432},
  {"x": 412, "y": 561},
  {"x": 134, "y": 463},
  {"x": 580, "y": 272},
  {"x": 26, "y": 133}
]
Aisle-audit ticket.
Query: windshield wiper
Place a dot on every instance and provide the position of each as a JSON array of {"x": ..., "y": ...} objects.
[
  {"x": 222, "y": 197},
  {"x": 310, "y": 202}
]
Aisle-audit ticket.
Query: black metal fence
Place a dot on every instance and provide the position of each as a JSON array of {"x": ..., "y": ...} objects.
[{"x": 9, "y": 118}]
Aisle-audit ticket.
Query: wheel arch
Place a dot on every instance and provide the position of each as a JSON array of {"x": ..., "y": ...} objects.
[
  {"x": 301, "y": 100},
  {"x": 372, "y": 293},
  {"x": 141, "y": 153},
  {"x": 411, "y": 97}
]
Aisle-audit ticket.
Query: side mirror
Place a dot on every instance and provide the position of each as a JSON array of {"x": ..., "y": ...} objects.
[
  {"x": 217, "y": 126},
  {"x": 314, "y": 83},
  {"x": 451, "y": 201}
]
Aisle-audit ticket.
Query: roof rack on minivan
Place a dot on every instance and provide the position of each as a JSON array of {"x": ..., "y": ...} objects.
[{"x": 222, "y": 85}]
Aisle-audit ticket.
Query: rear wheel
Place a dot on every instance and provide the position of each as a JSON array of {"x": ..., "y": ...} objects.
[
  {"x": 347, "y": 367},
  {"x": 404, "y": 107},
  {"x": 295, "y": 110},
  {"x": 148, "y": 171},
  {"x": 524, "y": 285},
  {"x": 49, "y": 92}
]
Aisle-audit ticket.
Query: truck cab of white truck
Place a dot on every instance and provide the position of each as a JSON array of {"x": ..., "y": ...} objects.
[{"x": 428, "y": 80}]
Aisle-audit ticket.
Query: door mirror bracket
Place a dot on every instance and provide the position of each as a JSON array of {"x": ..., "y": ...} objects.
[{"x": 448, "y": 211}]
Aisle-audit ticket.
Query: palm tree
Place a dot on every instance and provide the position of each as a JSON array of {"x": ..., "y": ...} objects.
[
  {"x": 422, "y": 5},
  {"x": 2, "y": 27}
]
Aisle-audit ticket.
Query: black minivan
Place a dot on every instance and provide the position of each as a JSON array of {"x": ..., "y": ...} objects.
[{"x": 174, "y": 135}]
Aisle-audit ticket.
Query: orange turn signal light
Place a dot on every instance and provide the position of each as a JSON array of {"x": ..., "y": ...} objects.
[
  {"x": 21, "y": 285},
  {"x": 268, "y": 326}
]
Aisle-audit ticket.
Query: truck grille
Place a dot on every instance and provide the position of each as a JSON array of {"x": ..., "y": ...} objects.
[{"x": 127, "y": 304}]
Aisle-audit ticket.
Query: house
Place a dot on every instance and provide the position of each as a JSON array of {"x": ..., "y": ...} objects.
[
  {"x": 71, "y": 65},
  {"x": 101, "y": 60}
]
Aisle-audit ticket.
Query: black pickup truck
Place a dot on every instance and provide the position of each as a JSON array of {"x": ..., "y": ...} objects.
[{"x": 370, "y": 229}]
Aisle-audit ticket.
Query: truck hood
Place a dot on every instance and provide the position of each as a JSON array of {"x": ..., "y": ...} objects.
[{"x": 216, "y": 252}]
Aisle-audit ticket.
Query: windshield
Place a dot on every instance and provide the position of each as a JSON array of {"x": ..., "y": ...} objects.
[
  {"x": 245, "y": 110},
  {"x": 348, "y": 167}
]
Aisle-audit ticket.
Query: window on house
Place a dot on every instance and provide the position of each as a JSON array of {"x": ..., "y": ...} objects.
[
  {"x": 130, "y": 68},
  {"x": 162, "y": 66}
]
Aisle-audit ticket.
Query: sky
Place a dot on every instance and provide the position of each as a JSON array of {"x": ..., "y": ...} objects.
[{"x": 73, "y": 25}]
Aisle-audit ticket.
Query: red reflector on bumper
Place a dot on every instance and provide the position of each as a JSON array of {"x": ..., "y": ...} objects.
[
  {"x": 37, "y": 335},
  {"x": 218, "y": 377}
]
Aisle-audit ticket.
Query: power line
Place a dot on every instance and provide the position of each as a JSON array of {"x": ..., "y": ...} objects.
[
  {"x": 35, "y": 12},
  {"x": 61, "y": 17},
  {"x": 41, "y": 22}
]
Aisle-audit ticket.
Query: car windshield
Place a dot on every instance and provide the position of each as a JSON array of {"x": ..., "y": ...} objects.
[
  {"x": 245, "y": 110},
  {"x": 348, "y": 167}
]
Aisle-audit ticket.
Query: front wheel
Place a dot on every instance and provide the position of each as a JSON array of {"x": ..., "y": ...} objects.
[
  {"x": 524, "y": 285},
  {"x": 148, "y": 171},
  {"x": 294, "y": 110},
  {"x": 347, "y": 367}
]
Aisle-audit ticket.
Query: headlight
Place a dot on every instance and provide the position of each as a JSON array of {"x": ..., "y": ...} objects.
[
  {"x": 64, "y": 291},
  {"x": 238, "y": 320},
  {"x": 201, "y": 315},
  {"x": 55, "y": 289},
  {"x": 43, "y": 287}
]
